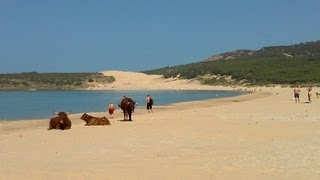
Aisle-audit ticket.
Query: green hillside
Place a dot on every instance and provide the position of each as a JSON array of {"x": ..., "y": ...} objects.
[
  {"x": 52, "y": 81},
  {"x": 295, "y": 64}
]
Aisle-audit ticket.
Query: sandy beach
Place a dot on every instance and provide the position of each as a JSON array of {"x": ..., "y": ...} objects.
[{"x": 260, "y": 135}]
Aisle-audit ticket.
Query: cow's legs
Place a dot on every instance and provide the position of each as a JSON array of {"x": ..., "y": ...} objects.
[
  {"x": 125, "y": 116},
  {"x": 130, "y": 117}
]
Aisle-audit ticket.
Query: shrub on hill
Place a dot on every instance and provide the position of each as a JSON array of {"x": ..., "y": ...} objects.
[
  {"x": 34, "y": 80},
  {"x": 297, "y": 64}
]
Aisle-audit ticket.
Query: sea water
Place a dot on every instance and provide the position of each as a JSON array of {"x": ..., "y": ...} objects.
[{"x": 16, "y": 105}]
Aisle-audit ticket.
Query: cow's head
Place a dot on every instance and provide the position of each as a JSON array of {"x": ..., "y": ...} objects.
[
  {"x": 85, "y": 116},
  {"x": 62, "y": 114}
]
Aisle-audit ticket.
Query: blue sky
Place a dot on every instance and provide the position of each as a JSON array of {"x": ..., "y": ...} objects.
[{"x": 135, "y": 35}]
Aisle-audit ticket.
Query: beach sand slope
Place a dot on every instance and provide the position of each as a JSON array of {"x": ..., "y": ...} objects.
[{"x": 261, "y": 135}]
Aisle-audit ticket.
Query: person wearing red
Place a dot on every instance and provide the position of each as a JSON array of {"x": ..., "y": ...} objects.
[{"x": 111, "y": 109}]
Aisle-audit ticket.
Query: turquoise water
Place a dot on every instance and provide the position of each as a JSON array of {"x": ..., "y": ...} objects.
[{"x": 17, "y": 105}]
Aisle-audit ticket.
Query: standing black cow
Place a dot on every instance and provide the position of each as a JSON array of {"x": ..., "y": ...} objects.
[
  {"x": 127, "y": 105},
  {"x": 60, "y": 122}
]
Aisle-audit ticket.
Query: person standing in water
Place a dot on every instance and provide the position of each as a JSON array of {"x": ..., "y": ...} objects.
[{"x": 149, "y": 103}]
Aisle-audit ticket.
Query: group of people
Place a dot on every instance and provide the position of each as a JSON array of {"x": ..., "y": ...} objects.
[
  {"x": 296, "y": 94},
  {"x": 148, "y": 102}
]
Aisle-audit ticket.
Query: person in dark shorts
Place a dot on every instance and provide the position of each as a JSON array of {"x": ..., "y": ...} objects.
[
  {"x": 149, "y": 103},
  {"x": 296, "y": 94}
]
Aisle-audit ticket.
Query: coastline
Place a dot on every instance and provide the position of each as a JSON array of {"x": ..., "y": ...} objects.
[
  {"x": 260, "y": 135},
  {"x": 27, "y": 124}
]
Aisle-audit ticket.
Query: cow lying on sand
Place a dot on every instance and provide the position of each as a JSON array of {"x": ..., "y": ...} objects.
[
  {"x": 90, "y": 120},
  {"x": 60, "y": 122}
]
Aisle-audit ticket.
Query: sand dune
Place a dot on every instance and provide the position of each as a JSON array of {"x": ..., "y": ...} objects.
[
  {"x": 140, "y": 81},
  {"x": 261, "y": 135}
]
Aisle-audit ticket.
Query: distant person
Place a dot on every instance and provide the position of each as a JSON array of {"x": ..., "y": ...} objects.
[
  {"x": 111, "y": 109},
  {"x": 296, "y": 94},
  {"x": 149, "y": 103},
  {"x": 309, "y": 94}
]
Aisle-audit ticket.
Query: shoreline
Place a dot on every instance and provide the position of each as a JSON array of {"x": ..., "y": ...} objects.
[
  {"x": 24, "y": 124},
  {"x": 185, "y": 86}
]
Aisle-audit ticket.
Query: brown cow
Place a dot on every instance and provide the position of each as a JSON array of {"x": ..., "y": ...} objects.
[
  {"x": 90, "y": 120},
  {"x": 60, "y": 122},
  {"x": 127, "y": 105}
]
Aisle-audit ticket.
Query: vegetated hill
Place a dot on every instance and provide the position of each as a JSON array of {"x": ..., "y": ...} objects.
[
  {"x": 52, "y": 81},
  {"x": 230, "y": 55},
  {"x": 295, "y": 64}
]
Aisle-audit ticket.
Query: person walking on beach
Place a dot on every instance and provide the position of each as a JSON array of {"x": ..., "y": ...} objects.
[
  {"x": 309, "y": 94},
  {"x": 111, "y": 109},
  {"x": 296, "y": 94},
  {"x": 149, "y": 103}
]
